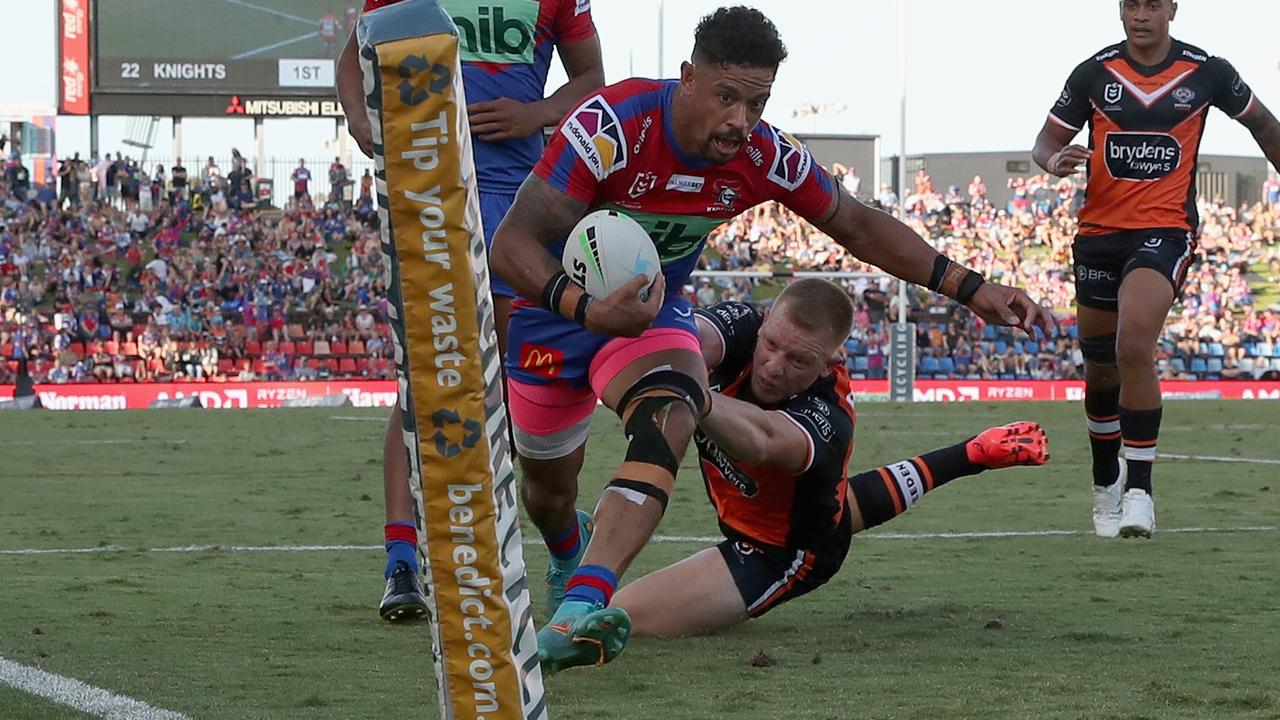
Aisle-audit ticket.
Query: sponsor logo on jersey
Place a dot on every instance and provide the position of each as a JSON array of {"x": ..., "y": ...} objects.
[
  {"x": 581, "y": 6},
  {"x": 675, "y": 236},
  {"x": 644, "y": 133},
  {"x": 1141, "y": 155},
  {"x": 1183, "y": 97},
  {"x": 1237, "y": 86},
  {"x": 596, "y": 134},
  {"x": 819, "y": 421},
  {"x": 643, "y": 183},
  {"x": 686, "y": 183},
  {"x": 757, "y": 157},
  {"x": 1108, "y": 54},
  {"x": 712, "y": 455},
  {"x": 1195, "y": 56},
  {"x": 1113, "y": 92},
  {"x": 1065, "y": 98},
  {"x": 495, "y": 31},
  {"x": 791, "y": 161}
]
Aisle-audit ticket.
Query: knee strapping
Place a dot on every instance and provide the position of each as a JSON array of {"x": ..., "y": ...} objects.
[
  {"x": 1099, "y": 349},
  {"x": 649, "y": 470}
]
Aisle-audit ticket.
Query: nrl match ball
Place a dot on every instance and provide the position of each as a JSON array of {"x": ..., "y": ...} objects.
[{"x": 606, "y": 250}]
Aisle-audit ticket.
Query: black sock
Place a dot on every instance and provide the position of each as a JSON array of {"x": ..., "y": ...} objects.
[
  {"x": 884, "y": 493},
  {"x": 1102, "y": 415},
  {"x": 1140, "y": 428}
]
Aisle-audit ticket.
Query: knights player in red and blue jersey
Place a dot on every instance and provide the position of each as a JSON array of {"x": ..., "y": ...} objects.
[
  {"x": 506, "y": 48},
  {"x": 681, "y": 157}
]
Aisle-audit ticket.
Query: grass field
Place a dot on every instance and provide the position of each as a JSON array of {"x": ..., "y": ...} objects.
[
  {"x": 215, "y": 29},
  {"x": 915, "y": 626}
]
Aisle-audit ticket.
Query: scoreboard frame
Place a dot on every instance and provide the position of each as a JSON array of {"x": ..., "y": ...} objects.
[{"x": 218, "y": 88}]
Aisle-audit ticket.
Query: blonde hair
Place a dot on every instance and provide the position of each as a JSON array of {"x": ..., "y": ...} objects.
[{"x": 815, "y": 305}]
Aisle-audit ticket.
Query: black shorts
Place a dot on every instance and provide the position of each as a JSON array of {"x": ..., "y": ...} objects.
[
  {"x": 767, "y": 576},
  {"x": 1101, "y": 262}
]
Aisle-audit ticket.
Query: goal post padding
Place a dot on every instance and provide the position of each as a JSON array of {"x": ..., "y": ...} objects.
[{"x": 448, "y": 366}]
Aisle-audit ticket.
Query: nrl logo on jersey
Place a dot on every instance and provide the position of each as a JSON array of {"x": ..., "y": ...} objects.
[
  {"x": 791, "y": 161},
  {"x": 1112, "y": 93},
  {"x": 595, "y": 132},
  {"x": 643, "y": 183}
]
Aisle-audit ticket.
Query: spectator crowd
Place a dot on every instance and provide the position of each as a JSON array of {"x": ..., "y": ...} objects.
[{"x": 120, "y": 275}]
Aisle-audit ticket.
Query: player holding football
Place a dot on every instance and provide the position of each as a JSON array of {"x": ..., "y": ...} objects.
[
  {"x": 774, "y": 452},
  {"x": 1145, "y": 101},
  {"x": 504, "y": 83},
  {"x": 679, "y": 157}
]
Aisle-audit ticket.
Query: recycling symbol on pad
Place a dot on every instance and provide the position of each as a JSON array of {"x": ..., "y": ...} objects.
[{"x": 441, "y": 420}]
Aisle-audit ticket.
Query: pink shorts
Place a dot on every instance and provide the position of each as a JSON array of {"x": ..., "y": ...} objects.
[{"x": 555, "y": 407}]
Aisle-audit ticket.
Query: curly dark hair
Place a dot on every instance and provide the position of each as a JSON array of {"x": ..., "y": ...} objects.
[{"x": 739, "y": 35}]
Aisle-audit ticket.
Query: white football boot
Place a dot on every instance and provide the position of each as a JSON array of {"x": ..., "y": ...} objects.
[
  {"x": 1138, "y": 516},
  {"x": 1107, "y": 504}
]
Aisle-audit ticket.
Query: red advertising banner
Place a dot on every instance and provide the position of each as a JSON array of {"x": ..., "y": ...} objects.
[
  {"x": 382, "y": 393},
  {"x": 73, "y": 98},
  {"x": 135, "y": 396}
]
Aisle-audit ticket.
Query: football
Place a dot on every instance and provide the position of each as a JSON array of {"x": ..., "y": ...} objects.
[{"x": 606, "y": 250}]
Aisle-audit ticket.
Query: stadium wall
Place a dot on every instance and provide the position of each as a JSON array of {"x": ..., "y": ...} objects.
[{"x": 382, "y": 393}]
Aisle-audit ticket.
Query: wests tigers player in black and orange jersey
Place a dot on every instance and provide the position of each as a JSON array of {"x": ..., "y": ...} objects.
[
  {"x": 774, "y": 452},
  {"x": 1145, "y": 101}
]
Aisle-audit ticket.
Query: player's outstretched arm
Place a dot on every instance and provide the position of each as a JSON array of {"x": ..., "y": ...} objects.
[
  {"x": 753, "y": 435},
  {"x": 350, "y": 84},
  {"x": 1054, "y": 155},
  {"x": 878, "y": 238},
  {"x": 1265, "y": 129},
  {"x": 540, "y": 216}
]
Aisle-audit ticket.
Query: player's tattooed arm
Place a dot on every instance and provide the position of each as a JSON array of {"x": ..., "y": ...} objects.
[
  {"x": 1265, "y": 129},
  {"x": 540, "y": 216}
]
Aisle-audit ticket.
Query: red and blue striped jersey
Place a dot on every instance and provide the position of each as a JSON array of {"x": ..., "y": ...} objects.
[
  {"x": 506, "y": 48},
  {"x": 617, "y": 150}
]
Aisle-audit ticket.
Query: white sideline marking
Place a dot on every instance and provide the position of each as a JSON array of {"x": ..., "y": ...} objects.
[
  {"x": 356, "y": 418},
  {"x": 655, "y": 538},
  {"x": 287, "y": 16},
  {"x": 273, "y": 46},
  {"x": 1218, "y": 458},
  {"x": 103, "y": 441},
  {"x": 81, "y": 696}
]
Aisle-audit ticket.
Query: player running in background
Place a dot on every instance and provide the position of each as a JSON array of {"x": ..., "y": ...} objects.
[
  {"x": 1145, "y": 101},
  {"x": 504, "y": 79},
  {"x": 679, "y": 157},
  {"x": 329, "y": 33},
  {"x": 774, "y": 453}
]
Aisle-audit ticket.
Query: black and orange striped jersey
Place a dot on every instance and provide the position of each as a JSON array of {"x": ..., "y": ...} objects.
[
  {"x": 761, "y": 504},
  {"x": 1145, "y": 124}
]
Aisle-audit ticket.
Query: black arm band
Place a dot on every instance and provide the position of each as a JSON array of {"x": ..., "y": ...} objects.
[
  {"x": 940, "y": 265},
  {"x": 968, "y": 286},
  {"x": 580, "y": 312},
  {"x": 553, "y": 291}
]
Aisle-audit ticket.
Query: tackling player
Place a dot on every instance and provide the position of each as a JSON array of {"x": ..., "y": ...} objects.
[
  {"x": 1145, "y": 101},
  {"x": 774, "y": 453},
  {"x": 680, "y": 157},
  {"x": 504, "y": 83}
]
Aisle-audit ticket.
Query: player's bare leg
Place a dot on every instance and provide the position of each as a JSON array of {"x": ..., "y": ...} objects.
[
  {"x": 696, "y": 596},
  {"x": 1102, "y": 416},
  {"x": 699, "y": 594},
  {"x": 403, "y": 598},
  {"x": 654, "y": 395},
  {"x": 1145, "y": 299}
]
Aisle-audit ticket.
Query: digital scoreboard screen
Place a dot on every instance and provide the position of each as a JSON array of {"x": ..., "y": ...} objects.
[{"x": 220, "y": 46}]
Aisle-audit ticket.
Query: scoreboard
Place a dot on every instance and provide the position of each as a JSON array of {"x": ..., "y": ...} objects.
[{"x": 198, "y": 57}]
